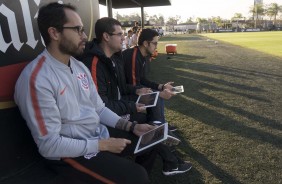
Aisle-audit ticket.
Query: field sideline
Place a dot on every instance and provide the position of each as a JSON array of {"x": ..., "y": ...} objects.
[
  {"x": 229, "y": 117},
  {"x": 268, "y": 42}
]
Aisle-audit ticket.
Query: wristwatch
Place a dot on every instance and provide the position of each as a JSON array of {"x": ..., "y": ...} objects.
[
  {"x": 133, "y": 124},
  {"x": 163, "y": 86}
]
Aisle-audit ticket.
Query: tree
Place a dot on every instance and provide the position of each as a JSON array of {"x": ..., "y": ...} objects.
[
  {"x": 119, "y": 17},
  {"x": 272, "y": 10},
  {"x": 189, "y": 20},
  {"x": 173, "y": 20},
  {"x": 237, "y": 16},
  {"x": 201, "y": 20},
  {"x": 161, "y": 20},
  {"x": 158, "y": 20},
  {"x": 257, "y": 10},
  {"x": 218, "y": 20}
]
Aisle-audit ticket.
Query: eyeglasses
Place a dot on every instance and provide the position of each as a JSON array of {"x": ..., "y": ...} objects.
[
  {"x": 79, "y": 29},
  {"x": 118, "y": 34},
  {"x": 155, "y": 43}
]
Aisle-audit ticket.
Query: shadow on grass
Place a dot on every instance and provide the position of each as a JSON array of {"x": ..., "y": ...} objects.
[
  {"x": 177, "y": 62},
  {"x": 213, "y": 68},
  {"x": 216, "y": 171},
  {"x": 215, "y": 119},
  {"x": 194, "y": 83},
  {"x": 191, "y": 177},
  {"x": 224, "y": 94},
  {"x": 179, "y": 38}
]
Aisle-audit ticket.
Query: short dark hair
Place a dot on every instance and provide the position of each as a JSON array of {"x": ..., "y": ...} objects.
[
  {"x": 52, "y": 15},
  {"x": 146, "y": 35},
  {"x": 105, "y": 24}
]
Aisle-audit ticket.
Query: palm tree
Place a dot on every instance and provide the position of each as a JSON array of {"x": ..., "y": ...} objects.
[
  {"x": 237, "y": 17},
  {"x": 272, "y": 10},
  {"x": 257, "y": 10},
  {"x": 218, "y": 20}
]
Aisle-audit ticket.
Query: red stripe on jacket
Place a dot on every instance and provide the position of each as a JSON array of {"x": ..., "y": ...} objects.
[
  {"x": 34, "y": 99},
  {"x": 133, "y": 71},
  {"x": 94, "y": 70}
]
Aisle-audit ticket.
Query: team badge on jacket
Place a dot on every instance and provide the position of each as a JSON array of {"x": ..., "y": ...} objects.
[{"x": 82, "y": 77}]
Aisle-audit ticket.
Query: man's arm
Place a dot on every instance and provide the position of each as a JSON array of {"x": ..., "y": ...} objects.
[
  {"x": 36, "y": 101},
  {"x": 107, "y": 89},
  {"x": 134, "y": 127}
]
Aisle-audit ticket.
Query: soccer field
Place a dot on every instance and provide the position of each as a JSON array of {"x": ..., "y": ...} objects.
[
  {"x": 267, "y": 42},
  {"x": 229, "y": 115}
]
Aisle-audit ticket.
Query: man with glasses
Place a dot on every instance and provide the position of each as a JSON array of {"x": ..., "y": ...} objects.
[
  {"x": 136, "y": 60},
  {"x": 65, "y": 114},
  {"x": 102, "y": 56}
]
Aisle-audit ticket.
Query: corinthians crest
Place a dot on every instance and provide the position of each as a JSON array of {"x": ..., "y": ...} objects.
[{"x": 82, "y": 77}]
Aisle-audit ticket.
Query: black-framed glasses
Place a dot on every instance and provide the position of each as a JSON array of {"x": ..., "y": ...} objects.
[
  {"x": 155, "y": 43},
  {"x": 79, "y": 29},
  {"x": 118, "y": 34}
]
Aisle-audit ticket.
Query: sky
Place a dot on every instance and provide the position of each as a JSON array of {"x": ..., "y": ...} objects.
[{"x": 195, "y": 8}]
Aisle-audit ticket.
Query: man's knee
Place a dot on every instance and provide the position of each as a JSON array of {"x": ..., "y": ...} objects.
[{"x": 138, "y": 175}]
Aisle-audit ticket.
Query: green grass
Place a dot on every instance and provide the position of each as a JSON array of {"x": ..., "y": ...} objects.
[
  {"x": 268, "y": 42},
  {"x": 229, "y": 116}
]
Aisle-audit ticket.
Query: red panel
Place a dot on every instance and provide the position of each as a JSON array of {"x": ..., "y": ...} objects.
[{"x": 8, "y": 77}]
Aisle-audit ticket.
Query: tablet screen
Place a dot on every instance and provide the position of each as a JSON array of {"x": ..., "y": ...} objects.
[
  {"x": 149, "y": 99},
  {"x": 151, "y": 138},
  {"x": 178, "y": 89}
]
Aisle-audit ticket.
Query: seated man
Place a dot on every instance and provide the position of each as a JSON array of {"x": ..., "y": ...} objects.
[
  {"x": 135, "y": 63},
  {"x": 110, "y": 80},
  {"x": 65, "y": 114},
  {"x": 108, "y": 75}
]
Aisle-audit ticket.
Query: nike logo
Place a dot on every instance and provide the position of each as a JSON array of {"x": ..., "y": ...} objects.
[
  {"x": 63, "y": 91},
  {"x": 175, "y": 169}
]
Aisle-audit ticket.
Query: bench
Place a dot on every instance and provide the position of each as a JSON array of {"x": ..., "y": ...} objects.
[{"x": 20, "y": 162}]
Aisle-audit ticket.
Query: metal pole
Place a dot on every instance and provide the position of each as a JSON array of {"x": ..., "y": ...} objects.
[
  {"x": 142, "y": 17},
  {"x": 109, "y": 8}
]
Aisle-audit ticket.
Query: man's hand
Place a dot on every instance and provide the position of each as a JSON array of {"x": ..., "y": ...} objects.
[
  {"x": 168, "y": 86},
  {"x": 140, "y": 129},
  {"x": 167, "y": 94},
  {"x": 143, "y": 91},
  {"x": 114, "y": 145},
  {"x": 140, "y": 107}
]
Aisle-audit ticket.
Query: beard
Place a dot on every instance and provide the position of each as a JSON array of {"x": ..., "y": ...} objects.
[
  {"x": 68, "y": 47},
  {"x": 149, "y": 52}
]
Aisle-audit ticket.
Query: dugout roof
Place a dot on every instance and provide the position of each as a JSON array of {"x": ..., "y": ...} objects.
[{"x": 116, "y": 4}]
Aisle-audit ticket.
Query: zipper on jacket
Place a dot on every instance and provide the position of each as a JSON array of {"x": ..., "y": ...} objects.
[{"x": 69, "y": 65}]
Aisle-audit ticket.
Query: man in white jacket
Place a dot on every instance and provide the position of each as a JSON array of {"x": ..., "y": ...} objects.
[{"x": 66, "y": 116}]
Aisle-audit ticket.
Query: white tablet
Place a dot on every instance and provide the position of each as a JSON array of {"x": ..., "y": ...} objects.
[
  {"x": 149, "y": 99},
  {"x": 177, "y": 89},
  {"x": 152, "y": 138}
]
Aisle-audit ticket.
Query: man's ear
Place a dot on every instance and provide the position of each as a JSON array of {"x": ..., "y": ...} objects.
[
  {"x": 145, "y": 43},
  {"x": 54, "y": 34},
  {"x": 106, "y": 36}
]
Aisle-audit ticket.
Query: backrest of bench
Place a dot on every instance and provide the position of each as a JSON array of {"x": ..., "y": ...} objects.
[{"x": 21, "y": 42}]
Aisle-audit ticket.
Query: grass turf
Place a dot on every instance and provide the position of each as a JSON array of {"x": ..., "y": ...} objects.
[
  {"x": 229, "y": 117},
  {"x": 268, "y": 42}
]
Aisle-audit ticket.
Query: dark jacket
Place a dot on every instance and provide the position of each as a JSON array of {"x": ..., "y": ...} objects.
[
  {"x": 109, "y": 78},
  {"x": 136, "y": 75}
]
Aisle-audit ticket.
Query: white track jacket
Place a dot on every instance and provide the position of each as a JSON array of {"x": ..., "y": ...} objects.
[{"x": 62, "y": 107}]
